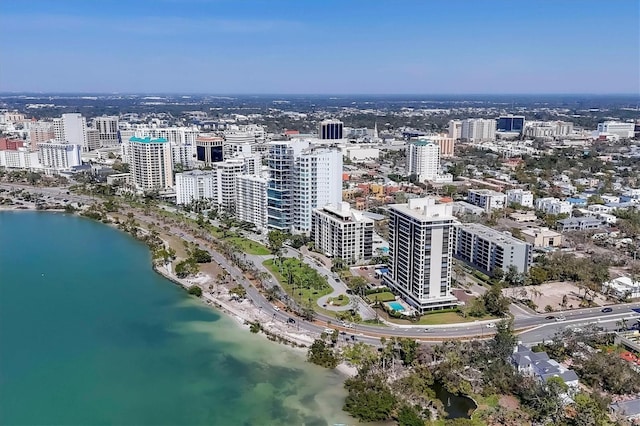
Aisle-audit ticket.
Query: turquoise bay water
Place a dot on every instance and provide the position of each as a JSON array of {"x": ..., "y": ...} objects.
[{"x": 89, "y": 334}]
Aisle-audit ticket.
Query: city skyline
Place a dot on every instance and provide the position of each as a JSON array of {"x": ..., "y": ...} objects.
[{"x": 330, "y": 47}]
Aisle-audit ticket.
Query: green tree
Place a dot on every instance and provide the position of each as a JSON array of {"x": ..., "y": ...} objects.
[
  {"x": 495, "y": 303},
  {"x": 276, "y": 242},
  {"x": 195, "y": 290},
  {"x": 201, "y": 256},
  {"x": 322, "y": 354},
  {"x": 409, "y": 416},
  {"x": 588, "y": 412},
  {"x": 369, "y": 398}
]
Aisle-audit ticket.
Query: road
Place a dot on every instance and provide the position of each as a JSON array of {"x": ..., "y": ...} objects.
[{"x": 532, "y": 328}]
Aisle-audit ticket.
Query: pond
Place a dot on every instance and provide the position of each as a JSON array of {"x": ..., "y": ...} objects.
[{"x": 456, "y": 406}]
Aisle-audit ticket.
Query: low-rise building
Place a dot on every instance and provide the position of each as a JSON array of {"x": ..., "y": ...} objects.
[
  {"x": 487, "y": 199},
  {"x": 542, "y": 237},
  {"x": 523, "y": 216},
  {"x": 487, "y": 249},
  {"x": 195, "y": 185},
  {"x": 550, "y": 205},
  {"x": 622, "y": 288},
  {"x": 578, "y": 224},
  {"x": 339, "y": 231},
  {"x": 519, "y": 196},
  {"x": 628, "y": 409},
  {"x": 539, "y": 365}
]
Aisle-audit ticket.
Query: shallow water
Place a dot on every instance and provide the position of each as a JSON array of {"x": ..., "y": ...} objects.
[{"x": 89, "y": 334}]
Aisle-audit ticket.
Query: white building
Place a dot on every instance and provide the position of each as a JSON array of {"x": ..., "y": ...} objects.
[
  {"x": 251, "y": 200},
  {"x": 455, "y": 129},
  {"x": 478, "y": 130},
  {"x": 362, "y": 154},
  {"x": 421, "y": 241},
  {"x": 225, "y": 183},
  {"x": 107, "y": 127},
  {"x": 185, "y": 155},
  {"x": 58, "y": 155},
  {"x": 548, "y": 129},
  {"x": 317, "y": 182},
  {"x": 423, "y": 159},
  {"x": 623, "y": 130},
  {"x": 150, "y": 163},
  {"x": 338, "y": 231},
  {"x": 550, "y": 205},
  {"x": 622, "y": 288},
  {"x": 72, "y": 129},
  {"x": 487, "y": 249},
  {"x": 487, "y": 199},
  {"x": 519, "y": 196},
  {"x": 21, "y": 158},
  {"x": 195, "y": 185},
  {"x": 539, "y": 365}
]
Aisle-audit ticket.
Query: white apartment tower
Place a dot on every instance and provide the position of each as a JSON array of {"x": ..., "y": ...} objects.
[
  {"x": 421, "y": 241},
  {"x": 251, "y": 200},
  {"x": 225, "y": 182},
  {"x": 341, "y": 232},
  {"x": 107, "y": 127},
  {"x": 478, "y": 130},
  {"x": 317, "y": 182},
  {"x": 194, "y": 185},
  {"x": 150, "y": 163},
  {"x": 423, "y": 159}
]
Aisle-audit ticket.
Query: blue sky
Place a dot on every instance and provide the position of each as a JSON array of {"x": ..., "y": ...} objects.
[{"x": 328, "y": 46}]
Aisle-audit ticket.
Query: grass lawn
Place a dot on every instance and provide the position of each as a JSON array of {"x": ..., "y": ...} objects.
[
  {"x": 338, "y": 302},
  {"x": 435, "y": 318},
  {"x": 248, "y": 246},
  {"x": 385, "y": 296},
  {"x": 302, "y": 296}
]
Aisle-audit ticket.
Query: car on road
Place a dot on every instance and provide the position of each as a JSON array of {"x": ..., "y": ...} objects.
[
  {"x": 490, "y": 325},
  {"x": 426, "y": 330},
  {"x": 560, "y": 318},
  {"x": 291, "y": 321},
  {"x": 549, "y": 317},
  {"x": 276, "y": 308},
  {"x": 607, "y": 310}
]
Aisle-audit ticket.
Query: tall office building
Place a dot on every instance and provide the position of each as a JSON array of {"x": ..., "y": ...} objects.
[
  {"x": 511, "y": 123},
  {"x": 317, "y": 182},
  {"x": 330, "y": 129},
  {"x": 488, "y": 249},
  {"x": 421, "y": 241},
  {"x": 478, "y": 130},
  {"x": 195, "y": 185},
  {"x": 107, "y": 127},
  {"x": 209, "y": 150},
  {"x": 150, "y": 163},
  {"x": 338, "y": 231},
  {"x": 423, "y": 159},
  {"x": 251, "y": 200}
]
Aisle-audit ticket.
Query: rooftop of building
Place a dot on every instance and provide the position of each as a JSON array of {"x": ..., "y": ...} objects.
[
  {"x": 544, "y": 232},
  {"x": 147, "y": 140},
  {"x": 425, "y": 209},
  {"x": 486, "y": 192},
  {"x": 578, "y": 220},
  {"x": 491, "y": 234},
  {"x": 344, "y": 212}
]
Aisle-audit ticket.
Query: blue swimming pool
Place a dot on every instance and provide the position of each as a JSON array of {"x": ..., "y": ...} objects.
[{"x": 396, "y": 306}]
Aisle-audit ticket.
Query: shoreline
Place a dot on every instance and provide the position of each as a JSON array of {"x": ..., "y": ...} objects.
[{"x": 243, "y": 313}]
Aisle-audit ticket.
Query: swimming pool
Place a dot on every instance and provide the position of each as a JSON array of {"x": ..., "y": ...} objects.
[{"x": 396, "y": 306}]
